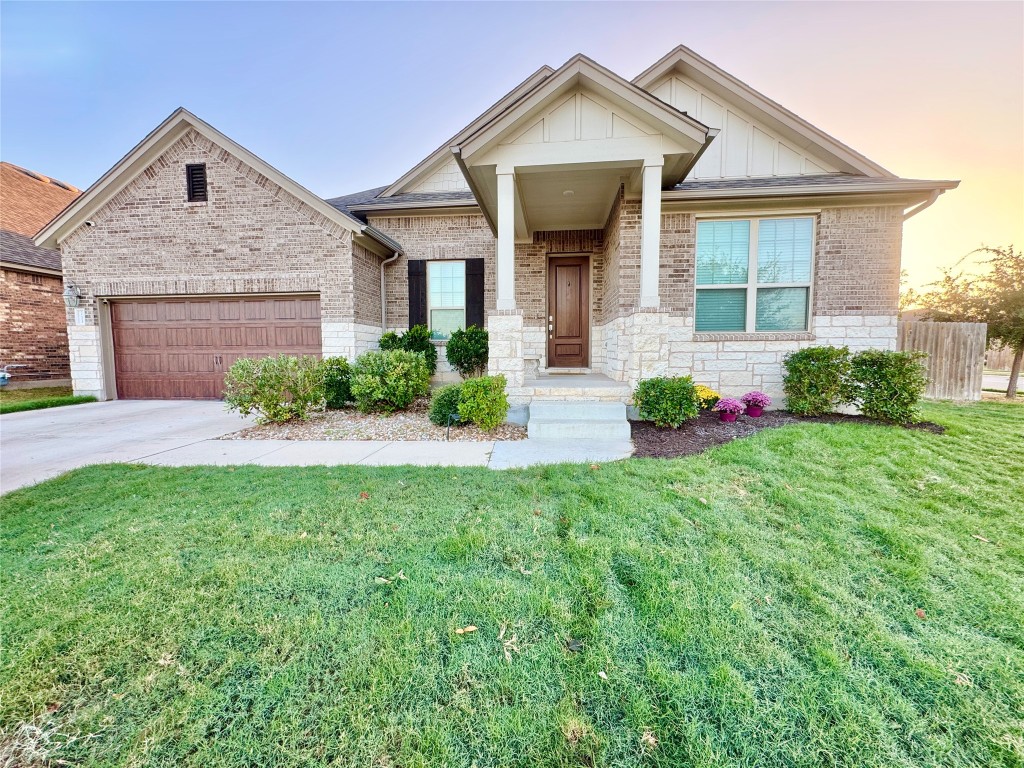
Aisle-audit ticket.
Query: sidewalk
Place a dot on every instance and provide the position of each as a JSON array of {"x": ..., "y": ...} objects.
[{"x": 378, "y": 453}]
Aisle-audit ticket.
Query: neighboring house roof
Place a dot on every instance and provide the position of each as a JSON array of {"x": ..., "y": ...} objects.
[
  {"x": 155, "y": 144},
  {"x": 691, "y": 64},
  {"x": 20, "y": 253},
  {"x": 359, "y": 203},
  {"x": 28, "y": 200}
]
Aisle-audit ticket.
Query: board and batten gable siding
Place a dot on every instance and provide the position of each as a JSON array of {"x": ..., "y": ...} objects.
[
  {"x": 745, "y": 147},
  {"x": 250, "y": 237}
]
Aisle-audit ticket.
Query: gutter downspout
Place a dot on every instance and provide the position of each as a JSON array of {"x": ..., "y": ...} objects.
[
  {"x": 932, "y": 197},
  {"x": 383, "y": 295}
]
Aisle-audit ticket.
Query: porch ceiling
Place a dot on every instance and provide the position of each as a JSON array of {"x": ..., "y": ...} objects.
[{"x": 556, "y": 199}]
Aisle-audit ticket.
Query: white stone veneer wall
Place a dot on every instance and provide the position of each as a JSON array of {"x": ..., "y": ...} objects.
[
  {"x": 648, "y": 344},
  {"x": 86, "y": 361},
  {"x": 347, "y": 339}
]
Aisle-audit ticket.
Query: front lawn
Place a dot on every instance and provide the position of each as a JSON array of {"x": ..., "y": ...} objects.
[
  {"x": 815, "y": 595},
  {"x": 15, "y": 400}
]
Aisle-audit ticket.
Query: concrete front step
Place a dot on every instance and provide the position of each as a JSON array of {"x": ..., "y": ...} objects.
[{"x": 577, "y": 420}]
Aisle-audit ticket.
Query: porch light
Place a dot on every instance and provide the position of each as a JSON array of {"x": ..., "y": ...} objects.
[{"x": 71, "y": 295}]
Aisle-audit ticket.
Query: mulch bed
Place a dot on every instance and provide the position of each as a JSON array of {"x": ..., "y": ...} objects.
[
  {"x": 707, "y": 430},
  {"x": 350, "y": 424}
]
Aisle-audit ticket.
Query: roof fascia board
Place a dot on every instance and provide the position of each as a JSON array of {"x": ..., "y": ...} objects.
[
  {"x": 895, "y": 186},
  {"x": 15, "y": 267},
  {"x": 581, "y": 68},
  {"x": 441, "y": 154},
  {"x": 759, "y": 105},
  {"x": 139, "y": 158}
]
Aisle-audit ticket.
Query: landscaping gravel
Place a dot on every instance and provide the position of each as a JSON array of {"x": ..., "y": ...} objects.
[{"x": 350, "y": 424}]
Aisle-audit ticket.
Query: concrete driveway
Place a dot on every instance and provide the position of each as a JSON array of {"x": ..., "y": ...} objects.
[{"x": 38, "y": 445}]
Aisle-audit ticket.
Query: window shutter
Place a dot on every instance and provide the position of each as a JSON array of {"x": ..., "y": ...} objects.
[
  {"x": 417, "y": 293},
  {"x": 475, "y": 292},
  {"x": 195, "y": 182}
]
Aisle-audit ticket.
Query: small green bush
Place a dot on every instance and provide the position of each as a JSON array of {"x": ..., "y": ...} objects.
[
  {"x": 444, "y": 403},
  {"x": 388, "y": 381},
  {"x": 416, "y": 339},
  {"x": 389, "y": 341},
  {"x": 816, "y": 380},
  {"x": 483, "y": 401},
  {"x": 467, "y": 351},
  {"x": 667, "y": 401},
  {"x": 337, "y": 381},
  {"x": 276, "y": 389},
  {"x": 887, "y": 385}
]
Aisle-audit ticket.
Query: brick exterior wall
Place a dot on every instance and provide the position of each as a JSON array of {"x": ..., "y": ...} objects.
[
  {"x": 366, "y": 280},
  {"x": 857, "y": 269},
  {"x": 433, "y": 238},
  {"x": 251, "y": 236},
  {"x": 34, "y": 328}
]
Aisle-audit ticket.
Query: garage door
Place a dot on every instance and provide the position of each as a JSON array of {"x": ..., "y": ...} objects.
[{"x": 180, "y": 348}]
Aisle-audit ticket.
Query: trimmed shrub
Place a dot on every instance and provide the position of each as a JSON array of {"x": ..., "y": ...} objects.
[
  {"x": 276, "y": 389},
  {"x": 467, "y": 351},
  {"x": 337, "y": 381},
  {"x": 444, "y": 403},
  {"x": 887, "y": 385},
  {"x": 668, "y": 402},
  {"x": 483, "y": 401},
  {"x": 816, "y": 380},
  {"x": 706, "y": 396},
  {"x": 416, "y": 339},
  {"x": 389, "y": 341},
  {"x": 388, "y": 381}
]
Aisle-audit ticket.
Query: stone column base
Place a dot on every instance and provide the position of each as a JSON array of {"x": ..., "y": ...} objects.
[{"x": 505, "y": 346}]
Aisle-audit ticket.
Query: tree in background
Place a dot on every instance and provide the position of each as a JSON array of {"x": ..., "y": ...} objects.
[
  {"x": 909, "y": 298},
  {"x": 996, "y": 298}
]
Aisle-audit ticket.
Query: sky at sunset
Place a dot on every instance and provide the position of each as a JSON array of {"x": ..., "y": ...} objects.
[{"x": 343, "y": 97}]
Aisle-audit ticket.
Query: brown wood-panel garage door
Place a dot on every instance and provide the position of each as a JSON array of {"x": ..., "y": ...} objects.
[{"x": 181, "y": 348}]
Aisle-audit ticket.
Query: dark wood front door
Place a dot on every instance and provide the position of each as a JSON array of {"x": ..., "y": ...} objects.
[
  {"x": 569, "y": 312},
  {"x": 181, "y": 348}
]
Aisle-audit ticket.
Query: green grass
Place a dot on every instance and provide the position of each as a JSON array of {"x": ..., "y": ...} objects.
[
  {"x": 15, "y": 400},
  {"x": 753, "y": 606}
]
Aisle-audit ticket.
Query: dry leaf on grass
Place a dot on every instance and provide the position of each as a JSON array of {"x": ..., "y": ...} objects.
[
  {"x": 980, "y": 538},
  {"x": 363, "y": 495},
  {"x": 465, "y": 630},
  {"x": 648, "y": 741},
  {"x": 961, "y": 678},
  {"x": 919, "y": 613},
  {"x": 603, "y": 675}
]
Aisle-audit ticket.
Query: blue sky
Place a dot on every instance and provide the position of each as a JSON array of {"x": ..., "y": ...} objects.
[{"x": 346, "y": 96}]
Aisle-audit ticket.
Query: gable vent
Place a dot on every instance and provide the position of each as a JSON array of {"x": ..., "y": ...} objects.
[{"x": 195, "y": 182}]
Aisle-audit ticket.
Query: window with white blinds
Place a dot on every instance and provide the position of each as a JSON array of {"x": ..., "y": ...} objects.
[{"x": 754, "y": 275}]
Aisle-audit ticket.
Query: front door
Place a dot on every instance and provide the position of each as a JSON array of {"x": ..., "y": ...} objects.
[{"x": 569, "y": 312}]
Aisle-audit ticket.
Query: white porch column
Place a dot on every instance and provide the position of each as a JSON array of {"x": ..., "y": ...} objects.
[
  {"x": 506, "y": 255},
  {"x": 650, "y": 234}
]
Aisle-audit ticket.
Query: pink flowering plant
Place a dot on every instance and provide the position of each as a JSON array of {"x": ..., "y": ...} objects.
[
  {"x": 728, "y": 405},
  {"x": 757, "y": 399}
]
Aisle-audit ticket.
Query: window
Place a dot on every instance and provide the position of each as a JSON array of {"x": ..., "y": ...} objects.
[
  {"x": 195, "y": 182},
  {"x": 754, "y": 275},
  {"x": 446, "y": 297}
]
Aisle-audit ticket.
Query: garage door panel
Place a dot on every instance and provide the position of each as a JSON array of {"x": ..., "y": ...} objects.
[{"x": 181, "y": 348}]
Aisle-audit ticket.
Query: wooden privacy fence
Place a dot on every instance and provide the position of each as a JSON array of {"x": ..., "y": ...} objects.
[{"x": 956, "y": 356}]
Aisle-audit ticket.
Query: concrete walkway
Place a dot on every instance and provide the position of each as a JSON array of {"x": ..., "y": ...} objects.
[{"x": 39, "y": 445}]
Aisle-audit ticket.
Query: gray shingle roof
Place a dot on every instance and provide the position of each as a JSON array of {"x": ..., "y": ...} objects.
[
  {"x": 19, "y": 249},
  {"x": 773, "y": 182},
  {"x": 357, "y": 201}
]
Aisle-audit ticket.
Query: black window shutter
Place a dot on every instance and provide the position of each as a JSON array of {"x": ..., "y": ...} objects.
[
  {"x": 417, "y": 293},
  {"x": 475, "y": 292},
  {"x": 195, "y": 182}
]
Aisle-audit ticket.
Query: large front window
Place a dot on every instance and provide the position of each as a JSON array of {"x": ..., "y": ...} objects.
[
  {"x": 754, "y": 275},
  {"x": 446, "y": 297}
]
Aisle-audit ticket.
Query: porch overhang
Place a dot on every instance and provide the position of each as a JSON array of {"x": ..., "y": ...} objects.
[{"x": 571, "y": 142}]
